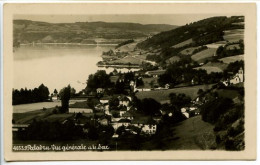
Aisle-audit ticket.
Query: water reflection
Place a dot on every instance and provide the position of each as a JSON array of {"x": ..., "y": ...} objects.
[{"x": 57, "y": 65}]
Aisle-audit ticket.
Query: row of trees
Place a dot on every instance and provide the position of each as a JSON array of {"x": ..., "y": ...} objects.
[
  {"x": 224, "y": 51},
  {"x": 24, "y": 96},
  {"x": 186, "y": 74}
]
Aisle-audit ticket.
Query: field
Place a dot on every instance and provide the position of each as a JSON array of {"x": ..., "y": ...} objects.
[
  {"x": 233, "y": 46},
  {"x": 188, "y": 51},
  {"x": 234, "y": 35},
  {"x": 27, "y": 117},
  {"x": 58, "y": 117},
  {"x": 189, "y": 41},
  {"x": 36, "y": 106},
  {"x": 162, "y": 96},
  {"x": 127, "y": 60},
  {"x": 210, "y": 69},
  {"x": 173, "y": 59},
  {"x": 228, "y": 93},
  {"x": 193, "y": 134},
  {"x": 228, "y": 60},
  {"x": 127, "y": 47},
  {"x": 213, "y": 67},
  {"x": 204, "y": 55},
  {"x": 215, "y": 45},
  {"x": 147, "y": 81}
]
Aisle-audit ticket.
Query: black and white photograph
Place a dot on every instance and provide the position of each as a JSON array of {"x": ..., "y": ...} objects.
[{"x": 140, "y": 81}]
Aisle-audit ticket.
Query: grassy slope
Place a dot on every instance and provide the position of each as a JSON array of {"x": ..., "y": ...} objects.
[
  {"x": 228, "y": 60},
  {"x": 203, "y": 55},
  {"x": 193, "y": 134},
  {"x": 188, "y": 51},
  {"x": 173, "y": 59},
  {"x": 234, "y": 35},
  {"x": 189, "y": 41},
  {"x": 213, "y": 67},
  {"x": 127, "y": 60},
  {"x": 163, "y": 95}
]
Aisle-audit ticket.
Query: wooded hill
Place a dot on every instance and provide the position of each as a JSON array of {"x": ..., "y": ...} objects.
[
  {"x": 27, "y": 31},
  {"x": 202, "y": 32}
]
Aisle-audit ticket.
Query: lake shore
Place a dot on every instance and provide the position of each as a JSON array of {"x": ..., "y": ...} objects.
[{"x": 118, "y": 66}]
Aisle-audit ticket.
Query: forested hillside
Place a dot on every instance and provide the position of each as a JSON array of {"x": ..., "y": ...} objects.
[
  {"x": 27, "y": 31},
  {"x": 199, "y": 33}
]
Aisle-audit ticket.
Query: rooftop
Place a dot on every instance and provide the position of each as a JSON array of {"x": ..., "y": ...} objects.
[
  {"x": 143, "y": 120},
  {"x": 82, "y": 104}
]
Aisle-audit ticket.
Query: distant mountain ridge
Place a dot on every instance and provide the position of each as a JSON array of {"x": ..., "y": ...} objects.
[{"x": 27, "y": 31}]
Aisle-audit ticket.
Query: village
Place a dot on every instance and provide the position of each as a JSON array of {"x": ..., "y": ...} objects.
[
  {"x": 195, "y": 80},
  {"x": 119, "y": 112}
]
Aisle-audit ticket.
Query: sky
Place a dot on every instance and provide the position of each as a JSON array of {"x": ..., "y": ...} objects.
[{"x": 173, "y": 19}]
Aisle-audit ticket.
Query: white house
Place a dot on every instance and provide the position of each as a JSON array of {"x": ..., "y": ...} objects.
[
  {"x": 105, "y": 99},
  {"x": 239, "y": 77},
  {"x": 100, "y": 90},
  {"x": 186, "y": 114},
  {"x": 80, "y": 107},
  {"x": 124, "y": 101},
  {"x": 80, "y": 110},
  {"x": 147, "y": 124},
  {"x": 155, "y": 73},
  {"x": 128, "y": 115},
  {"x": 121, "y": 122}
]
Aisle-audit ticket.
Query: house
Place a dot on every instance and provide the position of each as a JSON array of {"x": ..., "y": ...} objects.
[
  {"x": 167, "y": 86},
  {"x": 124, "y": 122},
  {"x": 105, "y": 99},
  {"x": 186, "y": 114},
  {"x": 17, "y": 127},
  {"x": 184, "y": 109},
  {"x": 147, "y": 124},
  {"x": 54, "y": 97},
  {"x": 80, "y": 107},
  {"x": 157, "y": 119},
  {"x": 128, "y": 115},
  {"x": 155, "y": 73},
  {"x": 124, "y": 101},
  {"x": 80, "y": 110},
  {"x": 103, "y": 121},
  {"x": 122, "y": 110},
  {"x": 100, "y": 90},
  {"x": 99, "y": 107},
  {"x": 121, "y": 122},
  {"x": 238, "y": 78},
  {"x": 106, "y": 106}
]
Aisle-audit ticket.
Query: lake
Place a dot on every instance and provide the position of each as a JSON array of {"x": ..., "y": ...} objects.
[{"x": 57, "y": 65}]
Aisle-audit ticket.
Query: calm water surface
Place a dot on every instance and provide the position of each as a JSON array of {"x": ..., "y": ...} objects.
[{"x": 56, "y": 66}]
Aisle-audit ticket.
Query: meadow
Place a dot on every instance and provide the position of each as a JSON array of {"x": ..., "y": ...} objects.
[
  {"x": 230, "y": 59},
  {"x": 162, "y": 96},
  {"x": 202, "y": 56}
]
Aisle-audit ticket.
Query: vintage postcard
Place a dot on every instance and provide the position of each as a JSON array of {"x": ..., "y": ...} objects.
[{"x": 130, "y": 81}]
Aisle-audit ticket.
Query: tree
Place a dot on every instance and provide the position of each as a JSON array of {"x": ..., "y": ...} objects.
[
  {"x": 99, "y": 80},
  {"x": 139, "y": 82},
  {"x": 113, "y": 103},
  {"x": 150, "y": 106},
  {"x": 65, "y": 97},
  {"x": 214, "y": 108},
  {"x": 55, "y": 91},
  {"x": 43, "y": 92},
  {"x": 72, "y": 91},
  {"x": 180, "y": 100},
  {"x": 200, "y": 91}
]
